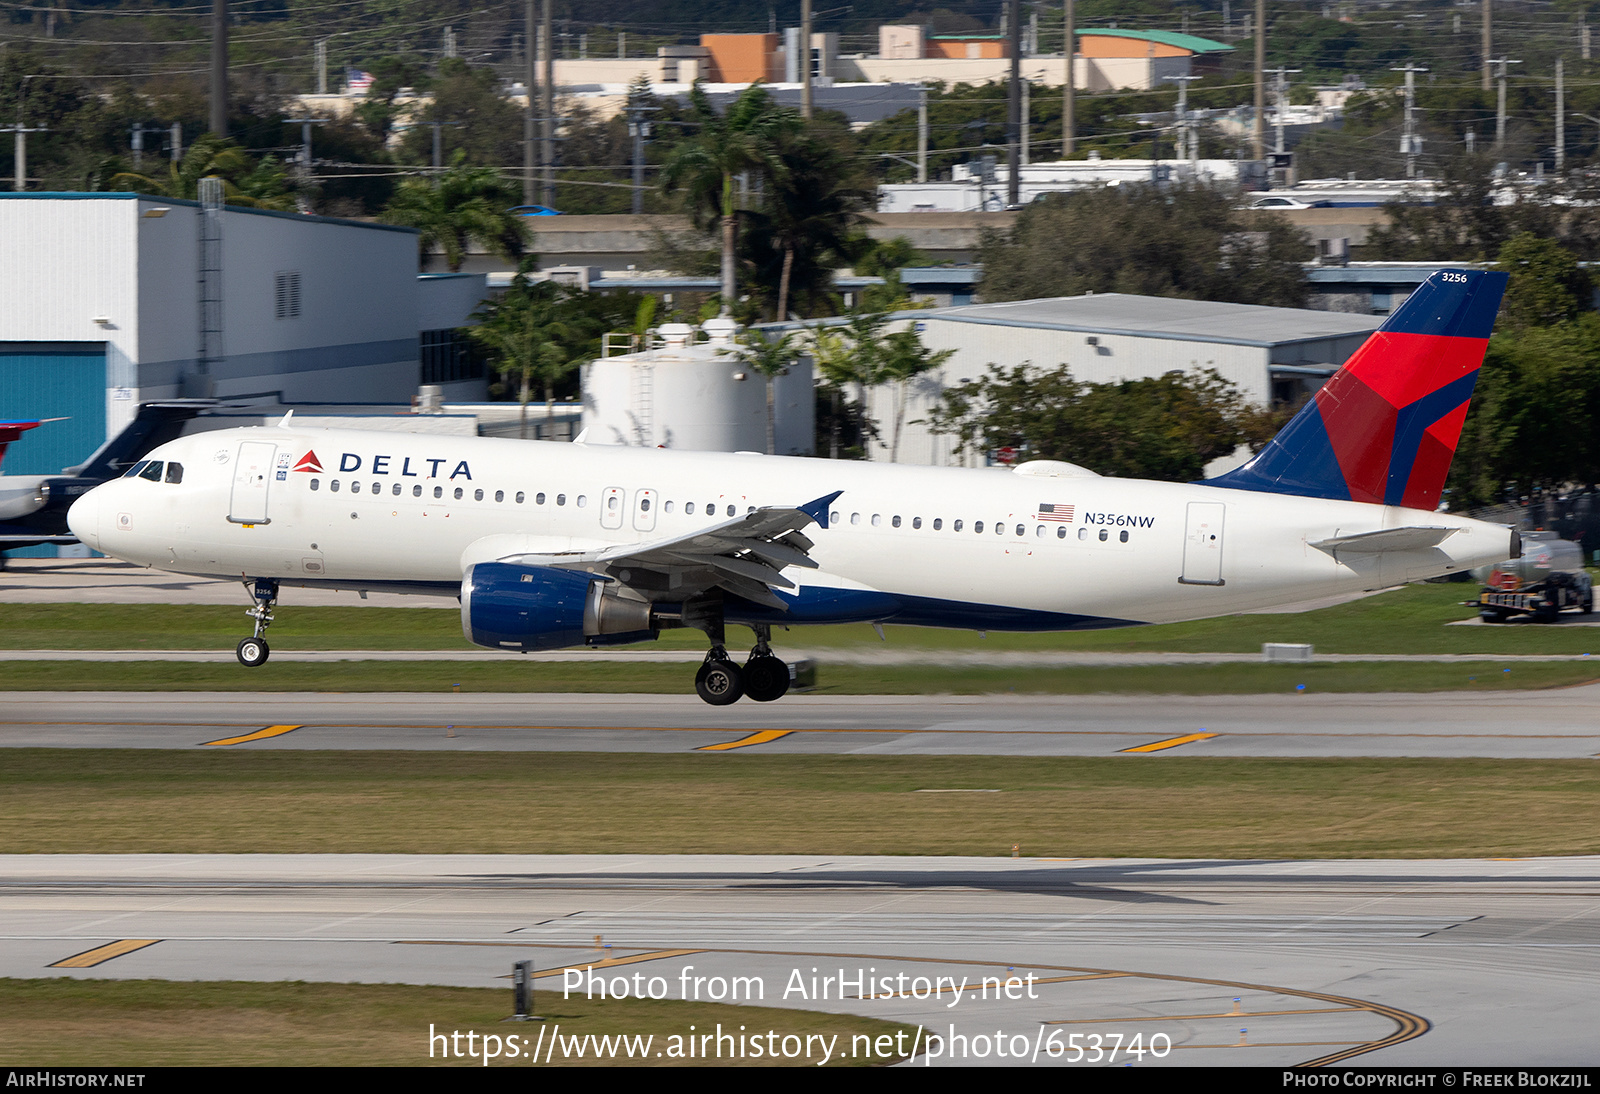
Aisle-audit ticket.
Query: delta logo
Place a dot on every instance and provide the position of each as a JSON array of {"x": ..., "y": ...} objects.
[{"x": 309, "y": 462}]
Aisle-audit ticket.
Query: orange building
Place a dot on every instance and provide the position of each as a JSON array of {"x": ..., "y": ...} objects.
[
  {"x": 971, "y": 47},
  {"x": 739, "y": 58}
]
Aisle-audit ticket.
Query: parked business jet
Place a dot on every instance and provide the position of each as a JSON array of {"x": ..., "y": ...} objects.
[{"x": 549, "y": 545}]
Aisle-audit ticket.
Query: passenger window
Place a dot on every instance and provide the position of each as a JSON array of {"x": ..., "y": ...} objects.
[
  {"x": 711, "y": 509},
  {"x": 1123, "y": 536},
  {"x": 438, "y": 491},
  {"x": 377, "y": 488},
  {"x": 499, "y": 495},
  {"x": 895, "y": 522},
  {"x": 956, "y": 526},
  {"x": 688, "y": 506},
  {"x": 1039, "y": 531},
  {"x": 561, "y": 499},
  {"x": 644, "y": 505},
  {"x": 538, "y": 499},
  {"x": 396, "y": 490},
  {"x": 730, "y": 510},
  {"x": 1020, "y": 529},
  {"x": 459, "y": 493},
  {"x": 355, "y": 488},
  {"x": 133, "y": 472},
  {"x": 916, "y": 522},
  {"x": 1061, "y": 532},
  {"x": 611, "y": 502},
  {"x": 833, "y": 517},
  {"x": 855, "y": 518},
  {"x": 334, "y": 486},
  {"x": 667, "y": 508},
  {"x": 316, "y": 484},
  {"x": 977, "y": 526},
  {"x": 174, "y": 472},
  {"x": 877, "y": 521},
  {"x": 938, "y": 523},
  {"x": 582, "y": 500},
  {"x": 152, "y": 471},
  {"x": 521, "y": 497},
  {"x": 477, "y": 495},
  {"x": 416, "y": 491},
  {"x": 1104, "y": 535},
  {"x": 1083, "y": 533}
]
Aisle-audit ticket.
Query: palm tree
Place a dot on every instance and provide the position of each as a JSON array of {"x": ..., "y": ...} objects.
[
  {"x": 462, "y": 205},
  {"x": 904, "y": 358},
  {"x": 524, "y": 332},
  {"x": 744, "y": 140},
  {"x": 245, "y": 182},
  {"x": 771, "y": 357},
  {"x": 811, "y": 214}
]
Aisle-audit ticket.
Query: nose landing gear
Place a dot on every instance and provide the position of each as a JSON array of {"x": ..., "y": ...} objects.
[{"x": 254, "y": 651}]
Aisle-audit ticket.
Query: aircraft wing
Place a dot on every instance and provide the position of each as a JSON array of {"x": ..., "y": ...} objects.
[
  {"x": 742, "y": 556},
  {"x": 10, "y": 542},
  {"x": 1386, "y": 539}
]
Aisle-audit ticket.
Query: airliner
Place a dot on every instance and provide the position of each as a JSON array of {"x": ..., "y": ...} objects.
[{"x": 551, "y": 545}]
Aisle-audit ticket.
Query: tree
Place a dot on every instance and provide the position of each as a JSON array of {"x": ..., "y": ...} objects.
[
  {"x": 904, "y": 359},
  {"x": 743, "y": 141},
  {"x": 477, "y": 120},
  {"x": 1546, "y": 286},
  {"x": 462, "y": 205},
  {"x": 1187, "y": 241},
  {"x": 523, "y": 332},
  {"x": 1161, "y": 427},
  {"x": 771, "y": 357},
  {"x": 245, "y": 181}
]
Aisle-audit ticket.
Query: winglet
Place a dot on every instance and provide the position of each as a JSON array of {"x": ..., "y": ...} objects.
[
  {"x": 818, "y": 510},
  {"x": 285, "y": 423}
]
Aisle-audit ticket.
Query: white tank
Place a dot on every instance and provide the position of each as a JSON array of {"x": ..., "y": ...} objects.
[{"x": 693, "y": 393}]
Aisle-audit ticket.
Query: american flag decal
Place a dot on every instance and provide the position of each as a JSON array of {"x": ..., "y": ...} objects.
[{"x": 1055, "y": 512}]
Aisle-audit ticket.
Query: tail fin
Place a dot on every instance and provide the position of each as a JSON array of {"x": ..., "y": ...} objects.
[
  {"x": 11, "y": 430},
  {"x": 1384, "y": 429}
]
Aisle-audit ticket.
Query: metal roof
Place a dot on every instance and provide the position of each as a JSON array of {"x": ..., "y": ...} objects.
[
  {"x": 1191, "y": 42},
  {"x": 1163, "y": 317}
]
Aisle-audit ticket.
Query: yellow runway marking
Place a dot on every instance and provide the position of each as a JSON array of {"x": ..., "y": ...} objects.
[
  {"x": 1171, "y": 742},
  {"x": 1036, "y": 980},
  {"x": 88, "y": 959},
  {"x": 258, "y": 735},
  {"x": 1197, "y": 1017},
  {"x": 758, "y": 738}
]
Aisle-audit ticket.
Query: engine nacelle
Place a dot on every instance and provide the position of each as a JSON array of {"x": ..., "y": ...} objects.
[{"x": 510, "y": 607}]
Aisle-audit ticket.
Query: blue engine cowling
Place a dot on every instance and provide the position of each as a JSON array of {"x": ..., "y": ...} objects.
[{"x": 510, "y": 607}]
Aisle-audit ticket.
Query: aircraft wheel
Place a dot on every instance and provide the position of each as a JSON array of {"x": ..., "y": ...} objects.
[
  {"x": 719, "y": 683},
  {"x": 1492, "y": 615},
  {"x": 253, "y": 652},
  {"x": 766, "y": 678}
]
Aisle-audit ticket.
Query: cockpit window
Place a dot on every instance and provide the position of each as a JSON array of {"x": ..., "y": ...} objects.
[
  {"x": 135, "y": 469},
  {"x": 174, "y": 472},
  {"x": 152, "y": 471}
]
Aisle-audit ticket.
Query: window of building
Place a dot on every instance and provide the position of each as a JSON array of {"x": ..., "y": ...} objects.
[{"x": 447, "y": 356}]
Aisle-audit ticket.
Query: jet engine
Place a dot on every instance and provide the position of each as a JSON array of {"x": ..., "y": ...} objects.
[{"x": 510, "y": 607}]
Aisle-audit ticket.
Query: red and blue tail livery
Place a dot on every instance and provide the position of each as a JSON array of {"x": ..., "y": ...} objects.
[{"x": 1384, "y": 429}]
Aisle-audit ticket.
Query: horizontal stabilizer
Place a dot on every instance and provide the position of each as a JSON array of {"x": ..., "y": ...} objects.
[{"x": 1386, "y": 539}]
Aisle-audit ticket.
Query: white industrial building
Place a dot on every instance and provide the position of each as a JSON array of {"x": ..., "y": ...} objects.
[
  {"x": 1272, "y": 355},
  {"x": 108, "y": 300},
  {"x": 682, "y": 392}
]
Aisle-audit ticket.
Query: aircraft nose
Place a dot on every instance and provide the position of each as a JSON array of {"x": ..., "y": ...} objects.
[{"x": 84, "y": 517}]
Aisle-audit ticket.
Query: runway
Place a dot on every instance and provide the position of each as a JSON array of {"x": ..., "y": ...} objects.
[
  {"x": 1553, "y": 724},
  {"x": 1258, "y": 963}
]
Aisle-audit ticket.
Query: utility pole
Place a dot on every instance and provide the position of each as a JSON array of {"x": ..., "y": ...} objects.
[
  {"x": 177, "y": 142},
  {"x": 922, "y": 131},
  {"x": 1260, "y": 139},
  {"x": 219, "y": 67},
  {"x": 1027, "y": 111},
  {"x": 322, "y": 66},
  {"x": 1014, "y": 103},
  {"x": 530, "y": 151},
  {"x": 1188, "y": 139},
  {"x": 1069, "y": 48},
  {"x": 639, "y": 130},
  {"x": 1561, "y": 118},
  {"x": 20, "y": 153},
  {"x": 1280, "y": 96},
  {"x": 547, "y": 88},
  {"x": 805, "y": 59},
  {"x": 1410, "y": 141},
  {"x": 1500, "y": 112},
  {"x": 1488, "y": 44}
]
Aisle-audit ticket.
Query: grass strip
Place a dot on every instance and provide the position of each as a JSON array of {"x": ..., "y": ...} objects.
[
  {"x": 1161, "y": 806},
  {"x": 70, "y": 1022},
  {"x": 618, "y": 677},
  {"x": 1408, "y": 620}
]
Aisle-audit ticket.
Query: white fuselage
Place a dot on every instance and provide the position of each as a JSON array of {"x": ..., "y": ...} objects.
[{"x": 399, "y": 509}]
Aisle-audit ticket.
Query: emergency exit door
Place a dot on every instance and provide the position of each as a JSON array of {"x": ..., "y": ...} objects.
[
  {"x": 252, "y": 479},
  {"x": 1202, "y": 544}
]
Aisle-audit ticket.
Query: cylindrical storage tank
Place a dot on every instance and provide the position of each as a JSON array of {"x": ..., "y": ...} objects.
[{"x": 681, "y": 394}]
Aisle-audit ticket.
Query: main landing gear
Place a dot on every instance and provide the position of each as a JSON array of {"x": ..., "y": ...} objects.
[
  {"x": 254, "y": 650},
  {"x": 720, "y": 682}
]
